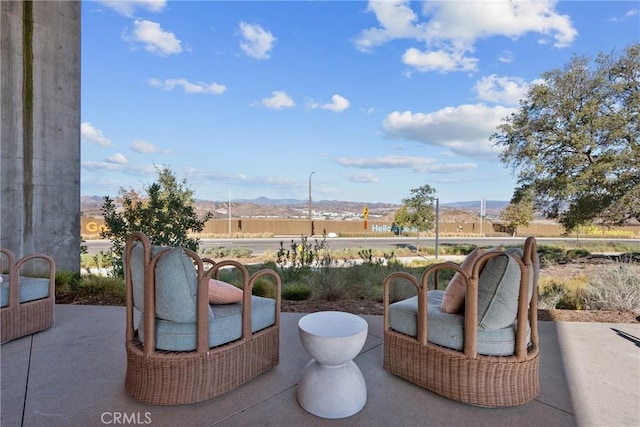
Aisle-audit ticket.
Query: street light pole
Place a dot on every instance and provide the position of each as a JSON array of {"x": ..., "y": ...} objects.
[{"x": 310, "y": 223}]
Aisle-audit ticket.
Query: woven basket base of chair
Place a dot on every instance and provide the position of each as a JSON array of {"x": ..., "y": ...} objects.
[
  {"x": 488, "y": 381},
  {"x": 176, "y": 378},
  {"x": 26, "y": 318}
]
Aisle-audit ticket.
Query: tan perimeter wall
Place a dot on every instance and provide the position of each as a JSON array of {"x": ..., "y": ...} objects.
[{"x": 297, "y": 227}]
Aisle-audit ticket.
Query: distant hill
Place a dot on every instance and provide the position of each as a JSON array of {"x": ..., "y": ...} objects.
[
  {"x": 264, "y": 207},
  {"x": 270, "y": 202},
  {"x": 491, "y": 206}
]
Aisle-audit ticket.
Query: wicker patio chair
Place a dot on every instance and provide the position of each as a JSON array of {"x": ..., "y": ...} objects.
[
  {"x": 185, "y": 350},
  {"x": 470, "y": 357},
  {"x": 27, "y": 303}
]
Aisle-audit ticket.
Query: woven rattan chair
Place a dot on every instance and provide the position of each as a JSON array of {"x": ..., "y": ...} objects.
[
  {"x": 203, "y": 370},
  {"x": 27, "y": 302},
  {"x": 458, "y": 370}
]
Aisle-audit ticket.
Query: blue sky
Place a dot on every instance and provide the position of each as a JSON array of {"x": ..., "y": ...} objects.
[{"x": 374, "y": 98}]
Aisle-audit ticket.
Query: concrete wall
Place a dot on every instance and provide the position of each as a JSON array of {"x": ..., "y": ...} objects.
[{"x": 40, "y": 133}]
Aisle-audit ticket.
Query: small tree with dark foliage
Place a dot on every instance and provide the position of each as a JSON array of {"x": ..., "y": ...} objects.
[{"x": 166, "y": 215}]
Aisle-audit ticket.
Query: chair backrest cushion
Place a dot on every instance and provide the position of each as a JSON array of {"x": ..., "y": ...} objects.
[
  {"x": 176, "y": 283},
  {"x": 453, "y": 297},
  {"x": 498, "y": 289},
  {"x": 533, "y": 272}
]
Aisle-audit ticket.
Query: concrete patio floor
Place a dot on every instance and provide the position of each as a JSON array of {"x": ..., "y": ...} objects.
[{"x": 73, "y": 375}]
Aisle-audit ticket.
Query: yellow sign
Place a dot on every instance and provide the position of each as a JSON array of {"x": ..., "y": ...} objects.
[{"x": 365, "y": 212}]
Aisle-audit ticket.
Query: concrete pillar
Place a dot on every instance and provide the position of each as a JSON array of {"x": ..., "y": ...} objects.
[{"x": 40, "y": 133}]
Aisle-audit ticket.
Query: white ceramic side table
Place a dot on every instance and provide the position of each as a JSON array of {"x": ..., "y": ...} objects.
[{"x": 332, "y": 385}]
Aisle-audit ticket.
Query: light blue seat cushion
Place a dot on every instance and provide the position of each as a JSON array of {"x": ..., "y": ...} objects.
[
  {"x": 498, "y": 288},
  {"x": 176, "y": 284},
  {"x": 447, "y": 329},
  {"x": 224, "y": 326},
  {"x": 31, "y": 289}
]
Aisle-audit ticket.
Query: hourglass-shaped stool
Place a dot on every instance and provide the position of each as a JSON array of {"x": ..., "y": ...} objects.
[{"x": 332, "y": 385}]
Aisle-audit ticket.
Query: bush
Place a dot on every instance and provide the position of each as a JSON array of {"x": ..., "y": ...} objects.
[
  {"x": 166, "y": 215},
  {"x": 263, "y": 287},
  {"x": 67, "y": 281},
  {"x": 562, "y": 294},
  {"x": 614, "y": 288},
  {"x": 296, "y": 293},
  {"x": 89, "y": 289},
  {"x": 222, "y": 252}
]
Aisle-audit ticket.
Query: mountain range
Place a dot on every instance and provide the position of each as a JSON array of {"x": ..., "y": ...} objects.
[{"x": 292, "y": 208}]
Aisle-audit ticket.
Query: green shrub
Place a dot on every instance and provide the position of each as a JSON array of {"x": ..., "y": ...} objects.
[
  {"x": 224, "y": 252},
  {"x": 296, "y": 293},
  {"x": 573, "y": 254},
  {"x": 326, "y": 284},
  {"x": 93, "y": 284},
  {"x": 264, "y": 287},
  {"x": 67, "y": 281},
  {"x": 89, "y": 289}
]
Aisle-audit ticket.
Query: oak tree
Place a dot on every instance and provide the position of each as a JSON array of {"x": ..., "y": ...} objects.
[{"x": 574, "y": 142}]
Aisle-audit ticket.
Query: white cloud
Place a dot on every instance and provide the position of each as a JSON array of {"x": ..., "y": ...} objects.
[
  {"x": 128, "y": 169},
  {"x": 126, "y": 8},
  {"x": 397, "y": 20},
  {"x": 188, "y": 87},
  {"x": 228, "y": 178},
  {"x": 154, "y": 38},
  {"x": 506, "y": 56},
  {"x": 279, "y": 100},
  {"x": 417, "y": 164},
  {"x": 630, "y": 13},
  {"x": 257, "y": 41},
  {"x": 439, "y": 60},
  {"x": 338, "y": 103},
  {"x": 117, "y": 158},
  {"x": 311, "y": 104},
  {"x": 239, "y": 179},
  {"x": 501, "y": 89},
  {"x": 451, "y": 29},
  {"x": 361, "y": 178},
  {"x": 144, "y": 147},
  {"x": 465, "y": 130},
  {"x": 94, "y": 166},
  {"x": 93, "y": 135},
  {"x": 466, "y": 22}
]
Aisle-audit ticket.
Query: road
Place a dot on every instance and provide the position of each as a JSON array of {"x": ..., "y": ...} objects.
[{"x": 272, "y": 244}]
